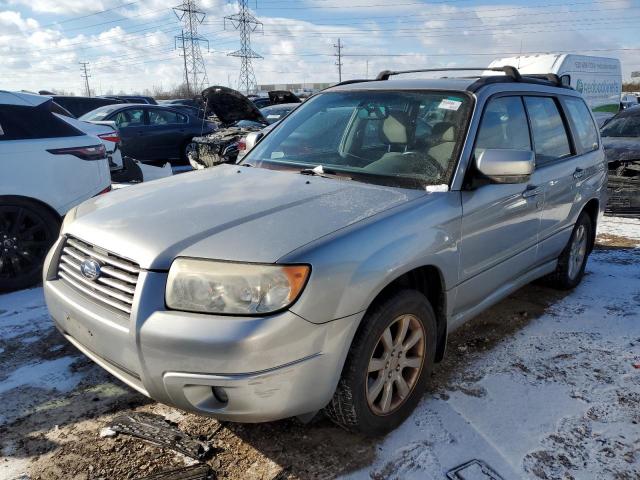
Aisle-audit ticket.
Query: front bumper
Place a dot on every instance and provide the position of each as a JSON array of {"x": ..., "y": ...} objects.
[{"x": 268, "y": 368}]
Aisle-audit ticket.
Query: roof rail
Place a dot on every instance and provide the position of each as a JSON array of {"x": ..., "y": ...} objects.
[
  {"x": 549, "y": 77},
  {"x": 507, "y": 70}
]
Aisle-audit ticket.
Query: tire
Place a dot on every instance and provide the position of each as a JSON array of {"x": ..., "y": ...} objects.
[
  {"x": 350, "y": 407},
  {"x": 27, "y": 232},
  {"x": 573, "y": 259}
]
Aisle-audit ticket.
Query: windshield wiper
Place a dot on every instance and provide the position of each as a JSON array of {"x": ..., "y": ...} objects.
[{"x": 319, "y": 171}]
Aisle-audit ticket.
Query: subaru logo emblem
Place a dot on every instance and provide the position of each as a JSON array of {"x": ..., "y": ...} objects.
[{"x": 90, "y": 269}]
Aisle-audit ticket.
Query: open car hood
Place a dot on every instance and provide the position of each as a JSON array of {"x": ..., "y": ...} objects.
[
  {"x": 283, "y": 96},
  {"x": 230, "y": 106}
]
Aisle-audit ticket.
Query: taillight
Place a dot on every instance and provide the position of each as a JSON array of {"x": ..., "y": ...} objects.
[
  {"x": 106, "y": 190},
  {"x": 93, "y": 152},
  {"x": 110, "y": 137},
  {"x": 242, "y": 144}
]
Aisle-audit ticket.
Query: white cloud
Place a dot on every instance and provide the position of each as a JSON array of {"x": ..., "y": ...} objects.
[{"x": 138, "y": 53}]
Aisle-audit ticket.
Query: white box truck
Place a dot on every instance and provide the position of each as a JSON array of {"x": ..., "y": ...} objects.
[{"x": 599, "y": 79}]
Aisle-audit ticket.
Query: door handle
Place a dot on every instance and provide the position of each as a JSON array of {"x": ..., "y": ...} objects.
[
  {"x": 579, "y": 173},
  {"x": 532, "y": 191}
]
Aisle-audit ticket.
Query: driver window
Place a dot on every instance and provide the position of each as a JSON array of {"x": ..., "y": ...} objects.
[{"x": 503, "y": 126}]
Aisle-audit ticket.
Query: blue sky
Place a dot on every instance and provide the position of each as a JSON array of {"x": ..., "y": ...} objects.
[{"x": 130, "y": 44}]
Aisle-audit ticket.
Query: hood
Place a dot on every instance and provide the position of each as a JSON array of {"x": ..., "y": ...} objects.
[
  {"x": 227, "y": 213},
  {"x": 277, "y": 97},
  {"x": 230, "y": 106},
  {"x": 621, "y": 148}
]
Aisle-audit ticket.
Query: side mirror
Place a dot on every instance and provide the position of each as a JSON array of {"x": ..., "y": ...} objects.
[{"x": 506, "y": 166}]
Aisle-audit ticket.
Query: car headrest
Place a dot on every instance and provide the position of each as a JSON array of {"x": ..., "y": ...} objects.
[
  {"x": 394, "y": 128},
  {"x": 444, "y": 132}
]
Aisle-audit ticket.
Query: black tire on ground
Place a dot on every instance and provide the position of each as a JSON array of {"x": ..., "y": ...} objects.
[
  {"x": 27, "y": 232},
  {"x": 186, "y": 148},
  {"x": 566, "y": 275},
  {"x": 349, "y": 407}
]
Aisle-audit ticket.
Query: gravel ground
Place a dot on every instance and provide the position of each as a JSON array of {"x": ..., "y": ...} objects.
[{"x": 524, "y": 386}]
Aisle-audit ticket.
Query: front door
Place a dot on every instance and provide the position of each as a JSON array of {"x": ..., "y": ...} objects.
[
  {"x": 131, "y": 125},
  {"x": 166, "y": 131},
  {"x": 500, "y": 222}
]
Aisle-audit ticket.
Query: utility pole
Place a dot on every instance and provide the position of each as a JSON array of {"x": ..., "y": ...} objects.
[
  {"x": 246, "y": 23},
  {"x": 338, "y": 54},
  {"x": 195, "y": 71},
  {"x": 85, "y": 75}
]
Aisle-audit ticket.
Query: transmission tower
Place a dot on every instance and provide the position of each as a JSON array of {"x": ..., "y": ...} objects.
[
  {"x": 85, "y": 74},
  {"x": 339, "y": 46},
  {"x": 246, "y": 23},
  {"x": 195, "y": 71}
]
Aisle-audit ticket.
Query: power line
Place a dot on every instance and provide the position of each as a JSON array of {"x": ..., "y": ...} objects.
[
  {"x": 195, "y": 71},
  {"x": 245, "y": 23}
]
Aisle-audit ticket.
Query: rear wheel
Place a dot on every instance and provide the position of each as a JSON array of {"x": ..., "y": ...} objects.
[
  {"x": 388, "y": 365},
  {"x": 27, "y": 232},
  {"x": 573, "y": 259}
]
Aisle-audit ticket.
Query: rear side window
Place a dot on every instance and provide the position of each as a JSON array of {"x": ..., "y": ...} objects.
[
  {"x": 585, "y": 130},
  {"x": 504, "y": 126},
  {"x": 549, "y": 133},
  {"x": 132, "y": 117},
  {"x": 165, "y": 117},
  {"x": 26, "y": 123}
]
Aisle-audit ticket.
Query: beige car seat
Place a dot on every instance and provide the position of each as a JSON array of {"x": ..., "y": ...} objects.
[{"x": 443, "y": 151}]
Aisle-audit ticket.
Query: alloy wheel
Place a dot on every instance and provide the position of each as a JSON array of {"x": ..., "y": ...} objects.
[
  {"x": 395, "y": 365},
  {"x": 577, "y": 252},
  {"x": 24, "y": 241}
]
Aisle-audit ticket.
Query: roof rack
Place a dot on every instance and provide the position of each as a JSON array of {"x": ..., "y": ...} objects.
[{"x": 507, "y": 70}]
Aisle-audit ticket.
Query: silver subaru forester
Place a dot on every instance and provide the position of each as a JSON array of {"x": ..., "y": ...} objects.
[{"x": 326, "y": 270}]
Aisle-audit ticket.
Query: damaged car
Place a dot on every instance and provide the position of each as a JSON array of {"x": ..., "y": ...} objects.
[
  {"x": 367, "y": 238},
  {"x": 238, "y": 116},
  {"x": 621, "y": 140}
]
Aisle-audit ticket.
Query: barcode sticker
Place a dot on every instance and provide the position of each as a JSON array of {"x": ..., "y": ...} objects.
[{"x": 448, "y": 104}]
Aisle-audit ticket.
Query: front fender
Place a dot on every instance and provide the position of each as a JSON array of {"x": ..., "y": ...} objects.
[{"x": 352, "y": 266}]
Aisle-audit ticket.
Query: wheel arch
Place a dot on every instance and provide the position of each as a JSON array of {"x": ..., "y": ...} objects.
[
  {"x": 429, "y": 281},
  {"x": 8, "y": 198},
  {"x": 592, "y": 208}
]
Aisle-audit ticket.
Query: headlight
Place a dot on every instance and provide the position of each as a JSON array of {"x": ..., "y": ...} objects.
[{"x": 234, "y": 288}]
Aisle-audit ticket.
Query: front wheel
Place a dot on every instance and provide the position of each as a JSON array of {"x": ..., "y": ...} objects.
[
  {"x": 388, "y": 365},
  {"x": 27, "y": 232}
]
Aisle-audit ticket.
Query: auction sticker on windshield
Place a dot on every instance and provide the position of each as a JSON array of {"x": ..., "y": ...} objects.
[{"x": 449, "y": 104}]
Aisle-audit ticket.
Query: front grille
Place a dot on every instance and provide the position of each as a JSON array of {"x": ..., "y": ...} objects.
[{"x": 116, "y": 285}]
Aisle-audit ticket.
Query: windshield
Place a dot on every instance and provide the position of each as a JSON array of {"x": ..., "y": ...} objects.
[
  {"x": 99, "y": 113},
  {"x": 397, "y": 138},
  {"x": 624, "y": 126}
]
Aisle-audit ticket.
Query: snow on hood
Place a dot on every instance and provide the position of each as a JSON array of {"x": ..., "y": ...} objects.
[
  {"x": 231, "y": 106},
  {"x": 227, "y": 213}
]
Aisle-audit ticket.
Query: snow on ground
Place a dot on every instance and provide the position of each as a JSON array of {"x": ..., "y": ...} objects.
[
  {"x": 620, "y": 227},
  {"x": 545, "y": 385},
  {"x": 561, "y": 399}
]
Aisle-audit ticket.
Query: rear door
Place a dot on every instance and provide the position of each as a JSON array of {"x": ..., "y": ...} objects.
[
  {"x": 557, "y": 165},
  {"x": 133, "y": 132},
  {"x": 500, "y": 222},
  {"x": 166, "y": 131}
]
